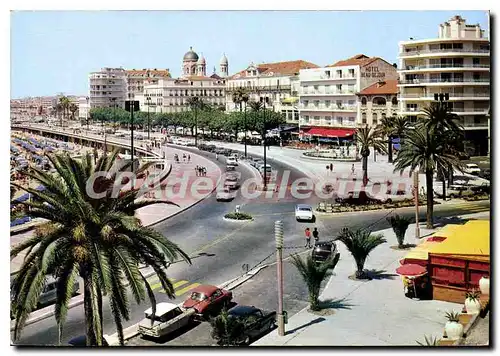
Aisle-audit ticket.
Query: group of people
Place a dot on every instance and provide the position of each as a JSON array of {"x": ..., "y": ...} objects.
[
  {"x": 315, "y": 234},
  {"x": 200, "y": 171},
  {"x": 185, "y": 158}
]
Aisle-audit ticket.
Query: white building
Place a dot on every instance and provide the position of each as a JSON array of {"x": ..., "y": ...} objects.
[
  {"x": 108, "y": 88},
  {"x": 83, "y": 107},
  {"x": 277, "y": 83},
  {"x": 328, "y": 106},
  {"x": 456, "y": 63}
]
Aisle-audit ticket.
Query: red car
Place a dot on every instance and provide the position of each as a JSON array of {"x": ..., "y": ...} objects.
[{"x": 207, "y": 299}]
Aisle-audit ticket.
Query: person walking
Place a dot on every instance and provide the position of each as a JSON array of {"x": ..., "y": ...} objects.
[
  {"x": 197, "y": 169},
  {"x": 189, "y": 158},
  {"x": 316, "y": 235},
  {"x": 308, "y": 237},
  {"x": 352, "y": 169},
  {"x": 216, "y": 156}
]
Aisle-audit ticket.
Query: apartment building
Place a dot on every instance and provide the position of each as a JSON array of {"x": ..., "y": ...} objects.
[
  {"x": 43, "y": 106},
  {"x": 277, "y": 83},
  {"x": 378, "y": 101},
  {"x": 328, "y": 105},
  {"x": 172, "y": 95},
  {"x": 108, "y": 88},
  {"x": 456, "y": 63}
]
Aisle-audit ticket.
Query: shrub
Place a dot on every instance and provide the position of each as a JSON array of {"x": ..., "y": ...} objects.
[
  {"x": 238, "y": 216},
  {"x": 399, "y": 225}
]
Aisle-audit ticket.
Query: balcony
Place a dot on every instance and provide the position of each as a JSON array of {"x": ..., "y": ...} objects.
[
  {"x": 475, "y": 124},
  {"x": 439, "y": 67},
  {"x": 330, "y": 108},
  {"x": 328, "y": 77},
  {"x": 444, "y": 50},
  {"x": 323, "y": 93},
  {"x": 425, "y": 81}
]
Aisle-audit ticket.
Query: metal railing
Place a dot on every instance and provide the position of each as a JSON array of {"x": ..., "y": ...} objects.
[
  {"x": 430, "y": 96},
  {"x": 329, "y": 107},
  {"x": 318, "y": 92},
  {"x": 475, "y": 124},
  {"x": 446, "y": 65},
  {"x": 442, "y": 80}
]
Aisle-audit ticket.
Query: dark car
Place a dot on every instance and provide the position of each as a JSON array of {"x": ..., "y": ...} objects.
[
  {"x": 322, "y": 251},
  {"x": 81, "y": 341},
  {"x": 358, "y": 198},
  {"x": 256, "y": 322}
]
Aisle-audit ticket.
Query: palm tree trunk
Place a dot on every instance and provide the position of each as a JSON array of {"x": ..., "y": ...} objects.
[
  {"x": 389, "y": 146},
  {"x": 87, "y": 305},
  {"x": 365, "y": 170},
  {"x": 430, "y": 201}
]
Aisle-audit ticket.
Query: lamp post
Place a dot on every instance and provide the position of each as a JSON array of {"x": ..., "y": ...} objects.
[
  {"x": 87, "y": 114},
  {"x": 442, "y": 99},
  {"x": 264, "y": 141},
  {"x": 415, "y": 188},
  {"x": 245, "y": 100},
  {"x": 148, "y": 100},
  {"x": 278, "y": 235}
]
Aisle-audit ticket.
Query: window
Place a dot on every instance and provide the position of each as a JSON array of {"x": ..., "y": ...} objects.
[
  {"x": 306, "y": 118},
  {"x": 339, "y": 103},
  {"x": 413, "y": 119},
  {"x": 316, "y": 103},
  {"x": 374, "y": 119},
  {"x": 384, "y": 116},
  {"x": 339, "y": 73},
  {"x": 327, "y": 103},
  {"x": 394, "y": 100},
  {"x": 363, "y": 118},
  {"x": 351, "y": 102},
  {"x": 363, "y": 101},
  {"x": 352, "y": 120},
  {"x": 327, "y": 74},
  {"x": 339, "y": 87},
  {"x": 351, "y": 72},
  {"x": 306, "y": 88},
  {"x": 315, "y": 88},
  {"x": 327, "y": 89},
  {"x": 316, "y": 118},
  {"x": 411, "y": 107},
  {"x": 306, "y": 102}
]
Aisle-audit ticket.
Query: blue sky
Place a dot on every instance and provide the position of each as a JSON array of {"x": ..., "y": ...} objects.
[{"x": 53, "y": 51}]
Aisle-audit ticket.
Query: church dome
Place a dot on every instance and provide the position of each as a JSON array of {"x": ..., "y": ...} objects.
[
  {"x": 202, "y": 60},
  {"x": 191, "y": 55},
  {"x": 223, "y": 60}
]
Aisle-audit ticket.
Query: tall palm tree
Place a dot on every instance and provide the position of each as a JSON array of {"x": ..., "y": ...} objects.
[
  {"x": 367, "y": 137},
  {"x": 400, "y": 125},
  {"x": 314, "y": 274},
  {"x": 422, "y": 151},
  {"x": 73, "y": 108},
  {"x": 385, "y": 129},
  {"x": 99, "y": 240},
  {"x": 65, "y": 103},
  {"x": 195, "y": 104},
  {"x": 255, "y": 106},
  {"x": 360, "y": 243}
]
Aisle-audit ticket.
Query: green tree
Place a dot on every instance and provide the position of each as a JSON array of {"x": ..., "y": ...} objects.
[
  {"x": 360, "y": 243},
  {"x": 386, "y": 129},
  {"x": 226, "y": 330},
  {"x": 99, "y": 240},
  {"x": 365, "y": 138},
  {"x": 399, "y": 225},
  {"x": 73, "y": 108},
  {"x": 64, "y": 103},
  {"x": 314, "y": 274},
  {"x": 426, "y": 151}
]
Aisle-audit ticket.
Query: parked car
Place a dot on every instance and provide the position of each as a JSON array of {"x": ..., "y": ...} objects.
[
  {"x": 81, "y": 341},
  {"x": 485, "y": 173},
  {"x": 231, "y": 161},
  {"x": 168, "y": 318},
  {"x": 256, "y": 162},
  {"x": 322, "y": 251},
  {"x": 207, "y": 299},
  {"x": 49, "y": 292},
  {"x": 472, "y": 168},
  {"x": 230, "y": 168},
  {"x": 479, "y": 189},
  {"x": 304, "y": 212},
  {"x": 256, "y": 322},
  {"x": 456, "y": 191},
  {"x": 359, "y": 197}
]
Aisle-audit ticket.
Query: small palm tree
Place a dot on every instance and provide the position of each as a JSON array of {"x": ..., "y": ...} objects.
[
  {"x": 368, "y": 137},
  {"x": 399, "y": 225},
  {"x": 99, "y": 240},
  {"x": 255, "y": 106},
  {"x": 314, "y": 274},
  {"x": 227, "y": 330},
  {"x": 360, "y": 243},
  {"x": 64, "y": 106}
]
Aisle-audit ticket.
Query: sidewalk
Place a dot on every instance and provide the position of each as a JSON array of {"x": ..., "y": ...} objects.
[{"x": 373, "y": 313}]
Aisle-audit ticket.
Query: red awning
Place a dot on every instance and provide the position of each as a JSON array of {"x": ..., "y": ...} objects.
[{"x": 328, "y": 132}]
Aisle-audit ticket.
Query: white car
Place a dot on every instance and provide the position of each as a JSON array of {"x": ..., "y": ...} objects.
[
  {"x": 472, "y": 168},
  {"x": 225, "y": 195},
  {"x": 168, "y": 318},
  {"x": 231, "y": 161},
  {"x": 304, "y": 212}
]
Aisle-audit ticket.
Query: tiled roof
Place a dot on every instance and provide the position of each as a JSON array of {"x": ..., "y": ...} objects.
[
  {"x": 150, "y": 72},
  {"x": 278, "y": 68},
  {"x": 357, "y": 60},
  {"x": 382, "y": 87},
  {"x": 198, "y": 77}
]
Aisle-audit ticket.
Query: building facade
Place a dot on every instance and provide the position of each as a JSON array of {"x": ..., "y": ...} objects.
[
  {"x": 378, "y": 101},
  {"x": 277, "y": 83},
  {"x": 456, "y": 63},
  {"x": 108, "y": 88},
  {"x": 328, "y": 105}
]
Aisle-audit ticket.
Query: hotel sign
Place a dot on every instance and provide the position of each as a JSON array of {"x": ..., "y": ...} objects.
[{"x": 372, "y": 72}]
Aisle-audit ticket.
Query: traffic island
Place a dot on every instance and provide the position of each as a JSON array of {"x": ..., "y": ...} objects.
[
  {"x": 338, "y": 208},
  {"x": 234, "y": 216}
]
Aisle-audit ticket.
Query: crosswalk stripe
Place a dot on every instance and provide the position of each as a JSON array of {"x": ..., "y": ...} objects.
[
  {"x": 184, "y": 290},
  {"x": 180, "y": 283}
]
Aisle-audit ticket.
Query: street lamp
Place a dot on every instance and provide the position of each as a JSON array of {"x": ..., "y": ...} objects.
[
  {"x": 132, "y": 105},
  {"x": 278, "y": 235},
  {"x": 87, "y": 114},
  {"x": 442, "y": 99},
  {"x": 148, "y": 100}
]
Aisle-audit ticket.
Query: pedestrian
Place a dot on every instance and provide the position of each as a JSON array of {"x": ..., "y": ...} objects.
[
  {"x": 308, "y": 237},
  {"x": 183, "y": 157},
  {"x": 216, "y": 156},
  {"x": 197, "y": 170},
  {"x": 316, "y": 235},
  {"x": 352, "y": 169},
  {"x": 204, "y": 171},
  {"x": 189, "y": 158}
]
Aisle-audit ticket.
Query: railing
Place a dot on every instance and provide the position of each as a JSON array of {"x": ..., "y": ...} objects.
[
  {"x": 430, "y": 96},
  {"x": 323, "y": 122},
  {"x": 441, "y": 80},
  {"x": 329, "y": 107},
  {"x": 317, "y": 92},
  {"x": 469, "y": 109},
  {"x": 445, "y": 50},
  {"x": 436, "y": 66},
  {"x": 255, "y": 88},
  {"x": 474, "y": 124},
  {"x": 329, "y": 77}
]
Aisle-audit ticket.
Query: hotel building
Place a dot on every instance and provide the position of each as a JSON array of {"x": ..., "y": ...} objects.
[{"x": 456, "y": 63}]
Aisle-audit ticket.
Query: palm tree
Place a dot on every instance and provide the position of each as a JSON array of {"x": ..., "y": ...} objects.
[
  {"x": 400, "y": 125},
  {"x": 314, "y": 274},
  {"x": 255, "y": 106},
  {"x": 195, "y": 104},
  {"x": 423, "y": 151},
  {"x": 226, "y": 330},
  {"x": 73, "y": 108},
  {"x": 360, "y": 243},
  {"x": 385, "y": 129},
  {"x": 240, "y": 96},
  {"x": 97, "y": 239},
  {"x": 64, "y": 102},
  {"x": 399, "y": 225},
  {"x": 368, "y": 137}
]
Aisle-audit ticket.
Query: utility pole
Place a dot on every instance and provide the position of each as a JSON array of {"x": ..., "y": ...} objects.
[
  {"x": 278, "y": 234},
  {"x": 148, "y": 100},
  {"x": 415, "y": 188}
]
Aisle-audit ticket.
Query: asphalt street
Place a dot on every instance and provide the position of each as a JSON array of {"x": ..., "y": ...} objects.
[{"x": 227, "y": 250}]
